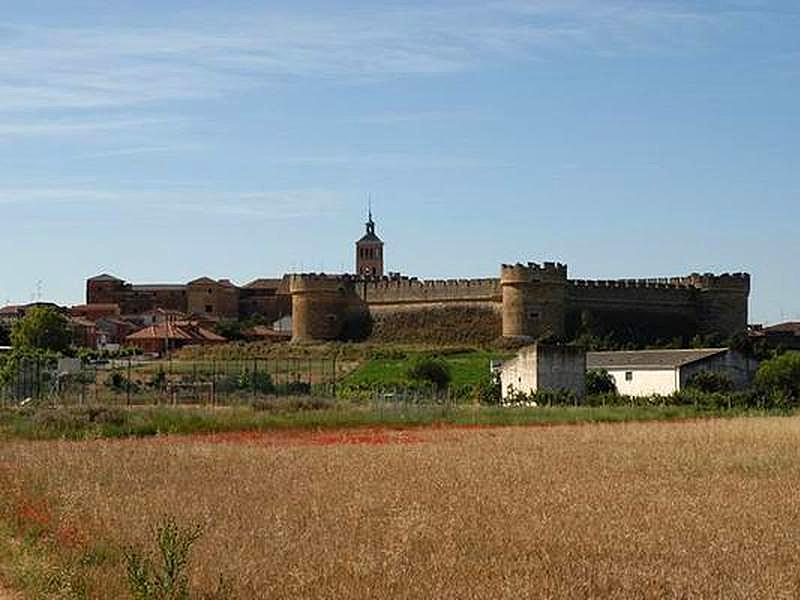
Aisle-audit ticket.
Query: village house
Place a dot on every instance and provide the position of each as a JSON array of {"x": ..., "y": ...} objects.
[
  {"x": 542, "y": 367},
  {"x": 162, "y": 338},
  {"x": 663, "y": 372}
]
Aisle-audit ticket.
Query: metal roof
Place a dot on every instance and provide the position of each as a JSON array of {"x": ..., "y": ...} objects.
[{"x": 649, "y": 359}]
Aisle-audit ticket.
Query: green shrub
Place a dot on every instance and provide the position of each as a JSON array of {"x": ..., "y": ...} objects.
[
  {"x": 159, "y": 380},
  {"x": 246, "y": 381},
  {"x": 258, "y": 381},
  {"x": 600, "y": 382},
  {"x": 431, "y": 370},
  {"x": 162, "y": 575},
  {"x": 119, "y": 383},
  {"x": 298, "y": 388},
  {"x": 488, "y": 390},
  {"x": 710, "y": 382},
  {"x": 780, "y": 376}
]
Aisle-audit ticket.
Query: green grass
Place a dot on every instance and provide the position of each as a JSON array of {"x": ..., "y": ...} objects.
[
  {"x": 74, "y": 423},
  {"x": 466, "y": 368}
]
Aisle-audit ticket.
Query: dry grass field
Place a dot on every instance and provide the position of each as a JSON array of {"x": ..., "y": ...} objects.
[{"x": 678, "y": 510}]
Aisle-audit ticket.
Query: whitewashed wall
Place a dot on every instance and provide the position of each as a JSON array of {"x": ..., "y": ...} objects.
[
  {"x": 646, "y": 382},
  {"x": 519, "y": 374},
  {"x": 544, "y": 367}
]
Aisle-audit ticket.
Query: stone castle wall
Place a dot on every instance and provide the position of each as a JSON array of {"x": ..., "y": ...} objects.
[
  {"x": 636, "y": 309},
  {"x": 408, "y": 292},
  {"x": 528, "y": 301}
]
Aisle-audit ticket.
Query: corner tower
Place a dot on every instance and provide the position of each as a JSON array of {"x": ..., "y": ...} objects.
[
  {"x": 534, "y": 300},
  {"x": 369, "y": 252}
]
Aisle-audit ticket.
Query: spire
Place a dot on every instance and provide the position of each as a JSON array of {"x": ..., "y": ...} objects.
[{"x": 370, "y": 223}]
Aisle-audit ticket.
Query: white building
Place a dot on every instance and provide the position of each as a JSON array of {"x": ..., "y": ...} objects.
[
  {"x": 283, "y": 325},
  {"x": 664, "y": 372},
  {"x": 541, "y": 367}
]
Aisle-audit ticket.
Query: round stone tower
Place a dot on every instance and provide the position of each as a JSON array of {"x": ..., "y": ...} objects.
[
  {"x": 319, "y": 306},
  {"x": 534, "y": 300},
  {"x": 722, "y": 308}
]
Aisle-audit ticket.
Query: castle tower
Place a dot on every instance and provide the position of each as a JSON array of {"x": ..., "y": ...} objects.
[
  {"x": 534, "y": 300},
  {"x": 321, "y": 306},
  {"x": 369, "y": 252},
  {"x": 722, "y": 303}
]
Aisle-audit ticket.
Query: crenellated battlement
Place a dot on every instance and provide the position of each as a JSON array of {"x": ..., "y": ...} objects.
[
  {"x": 304, "y": 283},
  {"x": 534, "y": 300},
  {"x": 416, "y": 284},
  {"x": 663, "y": 283},
  {"x": 532, "y": 272},
  {"x": 739, "y": 282},
  {"x": 707, "y": 281}
]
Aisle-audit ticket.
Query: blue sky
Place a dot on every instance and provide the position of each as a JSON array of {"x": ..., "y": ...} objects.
[{"x": 161, "y": 141}]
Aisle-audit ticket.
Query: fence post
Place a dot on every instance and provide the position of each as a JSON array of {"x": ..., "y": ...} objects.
[
  {"x": 334, "y": 376},
  {"x": 213, "y": 381},
  {"x": 128, "y": 385},
  {"x": 253, "y": 377},
  {"x": 37, "y": 383}
]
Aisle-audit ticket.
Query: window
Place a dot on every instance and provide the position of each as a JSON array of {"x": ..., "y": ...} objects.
[
  {"x": 209, "y": 308},
  {"x": 628, "y": 375}
]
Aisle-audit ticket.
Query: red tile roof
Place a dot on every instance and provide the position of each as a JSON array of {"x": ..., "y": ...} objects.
[{"x": 173, "y": 330}]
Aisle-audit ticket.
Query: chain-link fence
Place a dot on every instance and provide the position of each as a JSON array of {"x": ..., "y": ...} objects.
[{"x": 132, "y": 381}]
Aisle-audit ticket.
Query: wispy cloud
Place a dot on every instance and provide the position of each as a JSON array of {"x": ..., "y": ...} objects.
[
  {"x": 404, "y": 117},
  {"x": 268, "y": 205},
  {"x": 63, "y": 67},
  {"x": 391, "y": 161},
  {"x": 73, "y": 127},
  {"x": 132, "y": 151}
]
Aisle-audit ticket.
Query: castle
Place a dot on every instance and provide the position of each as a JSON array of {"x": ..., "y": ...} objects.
[{"x": 526, "y": 301}]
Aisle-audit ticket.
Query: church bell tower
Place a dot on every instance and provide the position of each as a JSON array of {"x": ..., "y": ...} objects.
[{"x": 369, "y": 252}]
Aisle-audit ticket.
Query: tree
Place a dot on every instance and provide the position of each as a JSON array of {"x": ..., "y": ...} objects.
[
  {"x": 781, "y": 375},
  {"x": 42, "y": 328},
  {"x": 600, "y": 381},
  {"x": 231, "y": 330}
]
